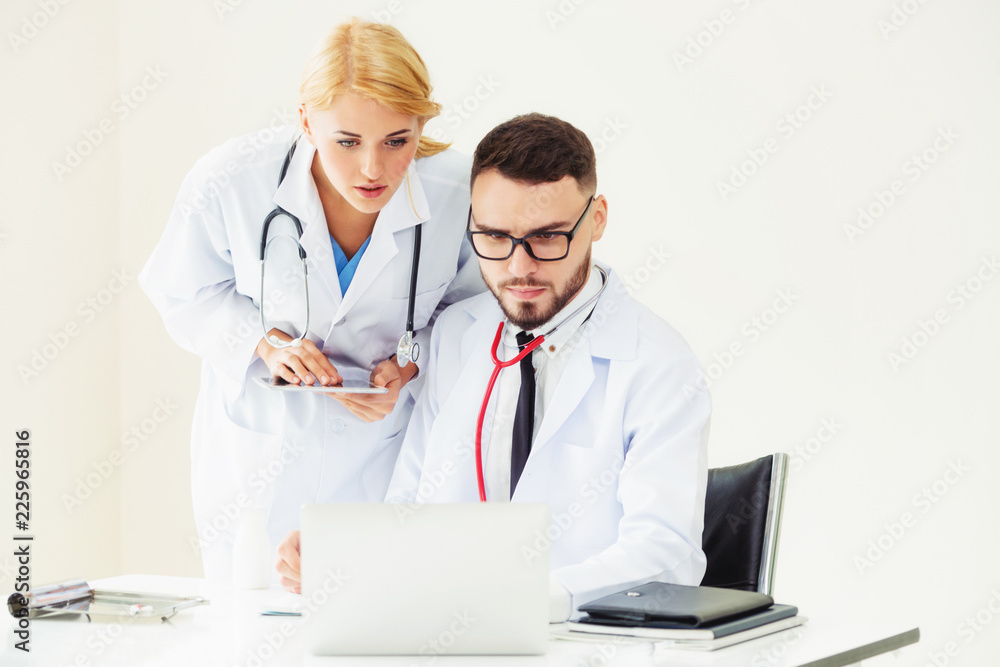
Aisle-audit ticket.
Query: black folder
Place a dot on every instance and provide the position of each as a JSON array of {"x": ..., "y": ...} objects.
[{"x": 661, "y": 605}]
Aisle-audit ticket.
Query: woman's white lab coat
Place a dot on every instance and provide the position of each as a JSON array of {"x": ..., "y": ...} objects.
[{"x": 252, "y": 446}]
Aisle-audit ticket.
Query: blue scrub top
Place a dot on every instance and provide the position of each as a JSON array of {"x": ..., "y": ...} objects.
[{"x": 345, "y": 267}]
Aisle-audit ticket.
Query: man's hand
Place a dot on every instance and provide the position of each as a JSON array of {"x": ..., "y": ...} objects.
[
  {"x": 289, "y": 564},
  {"x": 293, "y": 364},
  {"x": 373, "y": 407}
]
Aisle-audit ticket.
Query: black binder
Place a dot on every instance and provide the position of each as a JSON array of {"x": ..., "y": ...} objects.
[{"x": 661, "y": 605}]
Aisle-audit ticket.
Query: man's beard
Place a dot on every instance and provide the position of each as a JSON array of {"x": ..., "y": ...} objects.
[{"x": 529, "y": 315}]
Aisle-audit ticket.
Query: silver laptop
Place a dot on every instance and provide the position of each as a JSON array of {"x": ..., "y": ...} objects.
[{"x": 427, "y": 580}]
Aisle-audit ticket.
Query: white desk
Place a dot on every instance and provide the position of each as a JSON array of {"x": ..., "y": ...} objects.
[{"x": 230, "y": 631}]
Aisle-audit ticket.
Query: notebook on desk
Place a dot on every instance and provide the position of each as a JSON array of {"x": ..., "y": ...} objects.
[
  {"x": 434, "y": 579},
  {"x": 695, "y": 617}
]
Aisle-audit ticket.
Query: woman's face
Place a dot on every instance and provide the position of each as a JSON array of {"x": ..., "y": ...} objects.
[{"x": 364, "y": 149}]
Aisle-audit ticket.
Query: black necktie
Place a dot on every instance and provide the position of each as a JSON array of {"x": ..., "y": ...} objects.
[{"x": 524, "y": 417}]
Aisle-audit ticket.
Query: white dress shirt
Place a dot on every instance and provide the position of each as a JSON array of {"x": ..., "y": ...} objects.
[{"x": 549, "y": 361}]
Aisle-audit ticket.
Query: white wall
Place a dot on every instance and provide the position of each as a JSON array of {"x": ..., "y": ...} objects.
[
  {"x": 58, "y": 254},
  {"x": 668, "y": 133}
]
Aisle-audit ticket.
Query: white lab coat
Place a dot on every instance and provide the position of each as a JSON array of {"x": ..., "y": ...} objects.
[
  {"x": 253, "y": 446},
  {"x": 620, "y": 454}
]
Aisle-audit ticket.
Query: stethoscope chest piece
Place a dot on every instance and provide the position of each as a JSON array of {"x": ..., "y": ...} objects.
[{"x": 408, "y": 350}]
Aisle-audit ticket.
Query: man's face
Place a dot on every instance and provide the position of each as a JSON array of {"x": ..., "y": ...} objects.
[{"x": 531, "y": 292}]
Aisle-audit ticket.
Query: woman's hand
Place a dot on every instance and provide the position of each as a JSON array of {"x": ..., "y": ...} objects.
[
  {"x": 295, "y": 364},
  {"x": 289, "y": 564},
  {"x": 373, "y": 407}
]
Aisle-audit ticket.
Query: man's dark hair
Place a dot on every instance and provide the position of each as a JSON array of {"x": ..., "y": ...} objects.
[{"x": 535, "y": 148}]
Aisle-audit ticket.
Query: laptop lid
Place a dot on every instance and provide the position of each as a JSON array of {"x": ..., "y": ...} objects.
[{"x": 434, "y": 579}]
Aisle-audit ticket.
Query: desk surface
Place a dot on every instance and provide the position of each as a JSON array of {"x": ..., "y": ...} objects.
[{"x": 230, "y": 631}]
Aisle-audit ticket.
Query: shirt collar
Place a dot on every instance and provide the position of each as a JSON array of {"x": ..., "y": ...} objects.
[{"x": 297, "y": 192}]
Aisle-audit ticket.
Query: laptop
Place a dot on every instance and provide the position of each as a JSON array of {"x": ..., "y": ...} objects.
[{"x": 426, "y": 580}]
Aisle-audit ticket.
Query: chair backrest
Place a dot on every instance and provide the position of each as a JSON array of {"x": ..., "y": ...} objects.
[{"x": 742, "y": 520}]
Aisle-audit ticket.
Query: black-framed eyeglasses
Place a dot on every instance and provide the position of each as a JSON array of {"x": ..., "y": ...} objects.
[{"x": 542, "y": 246}]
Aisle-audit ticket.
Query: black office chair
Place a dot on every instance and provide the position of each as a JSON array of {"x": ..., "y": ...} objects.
[{"x": 742, "y": 521}]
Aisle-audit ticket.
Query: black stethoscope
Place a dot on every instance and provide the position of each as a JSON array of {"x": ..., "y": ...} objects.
[
  {"x": 406, "y": 351},
  {"x": 500, "y": 365}
]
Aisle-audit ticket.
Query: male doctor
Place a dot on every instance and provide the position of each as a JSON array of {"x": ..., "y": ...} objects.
[{"x": 596, "y": 421}]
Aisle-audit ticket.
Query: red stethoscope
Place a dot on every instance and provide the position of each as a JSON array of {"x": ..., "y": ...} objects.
[{"x": 500, "y": 365}]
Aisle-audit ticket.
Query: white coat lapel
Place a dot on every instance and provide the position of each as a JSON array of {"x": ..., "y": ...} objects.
[
  {"x": 573, "y": 386},
  {"x": 601, "y": 338},
  {"x": 456, "y": 423},
  {"x": 408, "y": 207},
  {"x": 470, "y": 364},
  {"x": 477, "y": 364},
  {"x": 297, "y": 194},
  {"x": 475, "y": 367},
  {"x": 478, "y": 338}
]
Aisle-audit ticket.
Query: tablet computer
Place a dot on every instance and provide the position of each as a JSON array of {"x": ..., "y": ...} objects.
[{"x": 345, "y": 387}]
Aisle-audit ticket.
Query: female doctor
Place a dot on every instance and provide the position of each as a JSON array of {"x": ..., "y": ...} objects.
[{"x": 359, "y": 178}]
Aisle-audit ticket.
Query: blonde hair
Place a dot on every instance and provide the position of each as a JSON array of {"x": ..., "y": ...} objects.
[{"x": 374, "y": 61}]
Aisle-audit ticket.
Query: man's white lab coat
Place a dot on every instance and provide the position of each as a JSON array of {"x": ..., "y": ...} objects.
[{"x": 620, "y": 455}]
